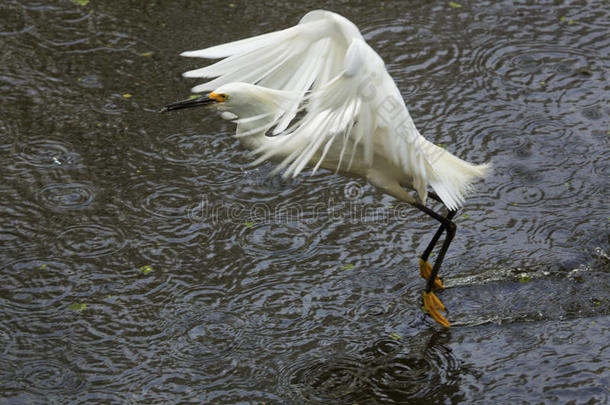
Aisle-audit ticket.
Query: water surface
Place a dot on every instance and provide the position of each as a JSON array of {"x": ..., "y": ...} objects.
[{"x": 143, "y": 261}]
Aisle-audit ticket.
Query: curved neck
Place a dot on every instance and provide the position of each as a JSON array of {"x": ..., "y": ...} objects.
[
  {"x": 251, "y": 132},
  {"x": 254, "y": 140}
]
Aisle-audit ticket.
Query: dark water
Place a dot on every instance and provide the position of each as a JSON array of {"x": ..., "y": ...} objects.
[{"x": 142, "y": 261}]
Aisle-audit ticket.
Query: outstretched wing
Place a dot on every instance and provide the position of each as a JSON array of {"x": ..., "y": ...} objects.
[
  {"x": 353, "y": 109},
  {"x": 360, "y": 115},
  {"x": 297, "y": 59}
]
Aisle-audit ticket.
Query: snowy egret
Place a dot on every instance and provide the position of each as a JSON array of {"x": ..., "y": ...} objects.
[{"x": 317, "y": 95}]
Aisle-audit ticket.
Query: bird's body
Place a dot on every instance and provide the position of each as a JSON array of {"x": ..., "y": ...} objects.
[{"x": 317, "y": 95}]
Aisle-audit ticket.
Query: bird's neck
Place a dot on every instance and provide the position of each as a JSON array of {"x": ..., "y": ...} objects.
[
  {"x": 251, "y": 131},
  {"x": 254, "y": 140}
]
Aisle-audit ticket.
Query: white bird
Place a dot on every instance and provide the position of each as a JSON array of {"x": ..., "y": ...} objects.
[{"x": 317, "y": 95}]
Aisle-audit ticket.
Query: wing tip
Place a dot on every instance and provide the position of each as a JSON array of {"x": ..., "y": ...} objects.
[
  {"x": 207, "y": 53},
  {"x": 200, "y": 88}
]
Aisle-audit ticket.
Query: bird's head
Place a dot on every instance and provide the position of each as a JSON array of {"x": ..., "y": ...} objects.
[{"x": 241, "y": 99}]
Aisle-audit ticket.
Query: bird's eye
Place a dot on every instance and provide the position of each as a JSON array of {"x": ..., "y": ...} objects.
[{"x": 224, "y": 97}]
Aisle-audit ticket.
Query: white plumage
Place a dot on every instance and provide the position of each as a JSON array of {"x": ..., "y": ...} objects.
[
  {"x": 355, "y": 120},
  {"x": 316, "y": 95}
]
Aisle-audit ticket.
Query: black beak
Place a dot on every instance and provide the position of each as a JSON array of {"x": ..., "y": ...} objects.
[{"x": 191, "y": 102}]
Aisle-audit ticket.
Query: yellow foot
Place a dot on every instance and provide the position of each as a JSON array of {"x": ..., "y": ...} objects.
[
  {"x": 433, "y": 305},
  {"x": 425, "y": 269}
]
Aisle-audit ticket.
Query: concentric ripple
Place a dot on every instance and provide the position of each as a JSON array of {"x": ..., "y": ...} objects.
[
  {"x": 532, "y": 72},
  {"x": 275, "y": 307},
  {"x": 287, "y": 239},
  {"x": 200, "y": 288},
  {"x": 404, "y": 376},
  {"x": 367, "y": 308},
  {"x": 45, "y": 153},
  {"x": 90, "y": 240},
  {"x": 216, "y": 155},
  {"x": 601, "y": 165},
  {"x": 325, "y": 381},
  {"x": 50, "y": 376},
  {"x": 69, "y": 196},
  {"x": 546, "y": 129},
  {"x": 520, "y": 195},
  {"x": 208, "y": 337},
  {"x": 385, "y": 370},
  {"x": 168, "y": 202},
  {"x": 194, "y": 148},
  {"x": 424, "y": 50}
]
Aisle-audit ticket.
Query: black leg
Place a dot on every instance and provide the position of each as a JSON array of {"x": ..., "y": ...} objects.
[
  {"x": 437, "y": 235},
  {"x": 440, "y": 230},
  {"x": 441, "y": 254},
  {"x": 447, "y": 224},
  {"x": 432, "y": 304},
  {"x": 435, "y": 197}
]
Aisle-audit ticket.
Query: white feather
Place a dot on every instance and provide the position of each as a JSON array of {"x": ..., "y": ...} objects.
[{"x": 354, "y": 119}]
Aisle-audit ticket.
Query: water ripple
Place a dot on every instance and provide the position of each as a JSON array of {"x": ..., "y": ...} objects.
[
  {"x": 520, "y": 195},
  {"x": 66, "y": 196},
  {"x": 195, "y": 149},
  {"x": 211, "y": 154},
  {"x": 416, "y": 374},
  {"x": 601, "y": 165},
  {"x": 546, "y": 129},
  {"x": 386, "y": 371},
  {"x": 412, "y": 50},
  {"x": 280, "y": 310},
  {"x": 243, "y": 304},
  {"x": 168, "y": 202},
  {"x": 204, "y": 338},
  {"x": 90, "y": 240},
  {"x": 325, "y": 381},
  {"x": 286, "y": 240},
  {"x": 15, "y": 25},
  {"x": 50, "y": 376},
  {"x": 369, "y": 307},
  {"x": 17, "y": 230},
  {"x": 6, "y": 340},
  {"x": 532, "y": 72},
  {"x": 46, "y": 153},
  {"x": 37, "y": 283}
]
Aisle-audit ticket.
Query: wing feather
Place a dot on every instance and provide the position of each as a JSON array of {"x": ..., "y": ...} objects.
[
  {"x": 243, "y": 46},
  {"x": 294, "y": 58},
  {"x": 347, "y": 114},
  {"x": 340, "y": 84}
]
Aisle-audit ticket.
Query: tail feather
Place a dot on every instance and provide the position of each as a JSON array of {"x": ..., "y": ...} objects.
[{"x": 451, "y": 177}]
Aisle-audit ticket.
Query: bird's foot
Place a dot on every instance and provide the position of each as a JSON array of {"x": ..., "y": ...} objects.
[
  {"x": 433, "y": 305},
  {"x": 425, "y": 269}
]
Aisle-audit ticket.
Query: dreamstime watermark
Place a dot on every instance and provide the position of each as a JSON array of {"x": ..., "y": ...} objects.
[{"x": 350, "y": 209}]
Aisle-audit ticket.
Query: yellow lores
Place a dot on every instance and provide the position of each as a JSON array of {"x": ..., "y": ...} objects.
[{"x": 221, "y": 98}]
